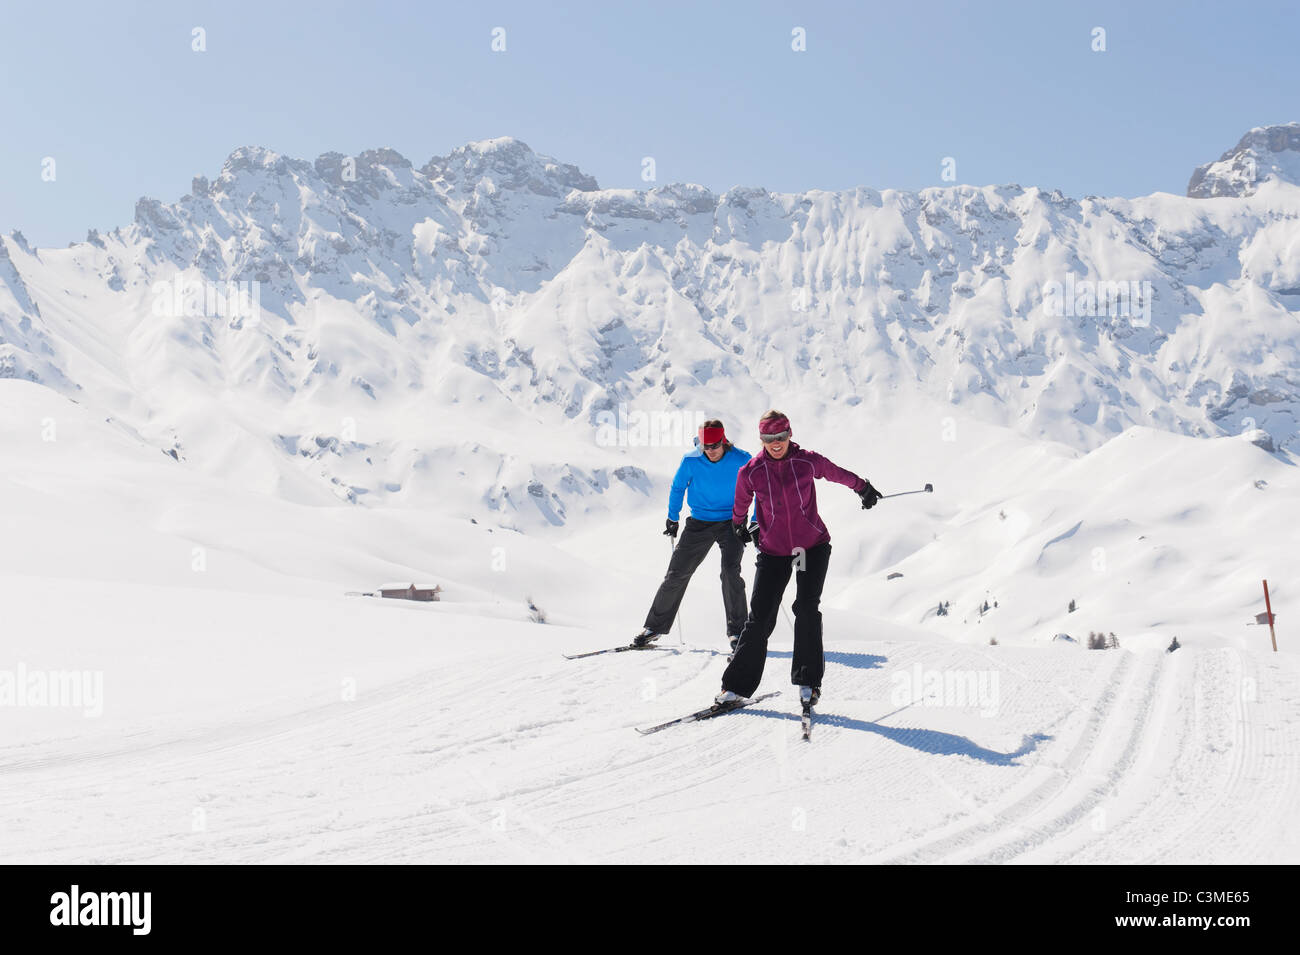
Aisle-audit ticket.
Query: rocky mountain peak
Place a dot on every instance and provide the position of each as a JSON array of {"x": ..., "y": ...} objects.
[
  {"x": 510, "y": 164},
  {"x": 1266, "y": 152}
]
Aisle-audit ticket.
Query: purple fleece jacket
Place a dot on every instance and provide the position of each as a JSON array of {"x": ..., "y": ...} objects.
[{"x": 787, "y": 498}]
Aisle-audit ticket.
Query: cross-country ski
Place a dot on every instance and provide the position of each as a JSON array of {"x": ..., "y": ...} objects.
[
  {"x": 717, "y": 709},
  {"x": 622, "y": 649}
]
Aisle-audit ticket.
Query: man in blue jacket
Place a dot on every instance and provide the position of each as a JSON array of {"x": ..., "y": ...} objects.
[{"x": 707, "y": 477}]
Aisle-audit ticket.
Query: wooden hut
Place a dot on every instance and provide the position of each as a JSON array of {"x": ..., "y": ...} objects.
[{"x": 411, "y": 591}]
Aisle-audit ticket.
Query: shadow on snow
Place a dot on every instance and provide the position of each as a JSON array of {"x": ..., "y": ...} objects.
[
  {"x": 859, "y": 661},
  {"x": 935, "y": 742}
]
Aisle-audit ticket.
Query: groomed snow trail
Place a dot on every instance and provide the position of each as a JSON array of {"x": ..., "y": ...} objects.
[{"x": 504, "y": 752}]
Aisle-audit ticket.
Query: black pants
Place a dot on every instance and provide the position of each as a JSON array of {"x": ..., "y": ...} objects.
[
  {"x": 696, "y": 539},
  {"x": 770, "y": 577}
]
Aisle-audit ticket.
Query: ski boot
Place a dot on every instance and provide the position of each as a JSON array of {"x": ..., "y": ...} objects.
[
  {"x": 726, "y": 697},
  {"x": 645, "y": 638},
  {"x": 808, "y": 697}
]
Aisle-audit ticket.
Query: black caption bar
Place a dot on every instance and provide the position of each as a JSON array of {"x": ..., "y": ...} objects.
[{"x": 141, "y": 905}]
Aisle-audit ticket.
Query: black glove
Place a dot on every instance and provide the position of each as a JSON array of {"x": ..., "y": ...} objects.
[
  {"x": 869, "y": 496},
  {"x": 670, "y": 529},
  {"x": 742, "y": 533}
]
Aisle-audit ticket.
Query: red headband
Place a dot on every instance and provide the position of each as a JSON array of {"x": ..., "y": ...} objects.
[
  {"x": 712, "y": 435},
  {"x": 774, "y": 425}
]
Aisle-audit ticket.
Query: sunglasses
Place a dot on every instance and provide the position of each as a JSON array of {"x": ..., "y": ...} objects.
[
  {"x": 713, "y": 447},
  {"x": 779, "y": 436}
]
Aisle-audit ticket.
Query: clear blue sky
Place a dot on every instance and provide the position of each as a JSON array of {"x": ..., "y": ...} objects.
[{"x": 1011, "y": 90}]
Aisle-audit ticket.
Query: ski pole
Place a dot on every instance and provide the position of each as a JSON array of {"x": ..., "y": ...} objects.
[
  {"x": 928, "y": 489},
  {"x": 672, "y": 546}
]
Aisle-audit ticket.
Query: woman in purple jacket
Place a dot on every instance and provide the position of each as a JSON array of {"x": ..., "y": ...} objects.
[{"x": 791, "y": 536}]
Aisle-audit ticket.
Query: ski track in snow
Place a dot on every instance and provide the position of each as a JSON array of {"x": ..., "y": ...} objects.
[{"x": 1144, "y": 757}]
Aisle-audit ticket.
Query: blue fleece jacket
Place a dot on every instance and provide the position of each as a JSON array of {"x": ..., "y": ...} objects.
[{"x": 712, "y": 486}]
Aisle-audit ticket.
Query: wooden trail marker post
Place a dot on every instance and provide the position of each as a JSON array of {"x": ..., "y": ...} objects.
[{"x": 1269, "y": 607}]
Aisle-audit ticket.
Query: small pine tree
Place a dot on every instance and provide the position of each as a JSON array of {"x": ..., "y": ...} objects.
[
  {"x": 1102, "y": 641},
  {"x": 1072, "y": 606},
  {"x": 1173, "y": 646}
]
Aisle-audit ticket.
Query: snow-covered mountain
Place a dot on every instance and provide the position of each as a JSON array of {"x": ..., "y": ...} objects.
[
  {"x": 347, "y": 326},
  {"x": 1264, "y": 153}
]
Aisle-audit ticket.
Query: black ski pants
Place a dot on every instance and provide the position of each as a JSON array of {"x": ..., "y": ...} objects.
[
  {"x": 771, "y": 575},
  {"x": 696, "y": 539}
]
